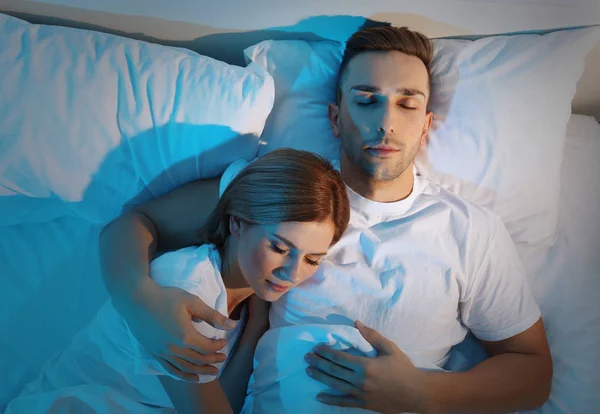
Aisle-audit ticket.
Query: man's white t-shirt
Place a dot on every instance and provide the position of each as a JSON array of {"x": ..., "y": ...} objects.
[{"x": 423, "y": 271}]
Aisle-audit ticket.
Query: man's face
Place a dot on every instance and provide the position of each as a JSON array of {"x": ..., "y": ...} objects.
[{"x": 382, "y": 118}]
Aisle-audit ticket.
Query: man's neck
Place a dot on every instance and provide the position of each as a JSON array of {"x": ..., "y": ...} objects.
[{"x": 382, "y": 192}]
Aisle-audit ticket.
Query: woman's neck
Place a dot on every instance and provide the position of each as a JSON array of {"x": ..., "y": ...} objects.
[{"x": 235, "y": 284}]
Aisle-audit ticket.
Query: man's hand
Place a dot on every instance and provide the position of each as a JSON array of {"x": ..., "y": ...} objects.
[
  {"x": 161, "y": 320},
  {"x": 388, "y": 383}
]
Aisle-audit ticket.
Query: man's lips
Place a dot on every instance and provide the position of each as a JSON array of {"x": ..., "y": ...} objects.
[
  {"x": 383, "y": 148},
  {"x": 382, "y": 151}
]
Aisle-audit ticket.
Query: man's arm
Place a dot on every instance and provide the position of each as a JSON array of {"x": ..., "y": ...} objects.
[
  {"x": 160, "y": 318},
  {"x": 169, "y": 222},
  {"x": 517, "y": 376}
]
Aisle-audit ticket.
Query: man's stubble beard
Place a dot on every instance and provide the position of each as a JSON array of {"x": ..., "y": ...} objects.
[{"x": 398, "y": 166}]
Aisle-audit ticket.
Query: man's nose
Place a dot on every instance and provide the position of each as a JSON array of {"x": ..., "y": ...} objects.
[{"x": 385, "y": 120}]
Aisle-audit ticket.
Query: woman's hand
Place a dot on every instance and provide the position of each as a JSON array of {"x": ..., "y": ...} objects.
[{"x": 161, "y": 320}]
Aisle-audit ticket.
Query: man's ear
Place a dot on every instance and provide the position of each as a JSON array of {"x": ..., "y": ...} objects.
[
  {"x": 235, "y": 226},
  {"x": 334, "y": 118},
  {"x": 425, "y": 131}
]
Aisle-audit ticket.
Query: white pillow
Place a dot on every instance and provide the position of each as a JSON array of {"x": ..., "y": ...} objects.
[
  {"x": 91, "y": 121},
  {"x": 502, "y": 104}
]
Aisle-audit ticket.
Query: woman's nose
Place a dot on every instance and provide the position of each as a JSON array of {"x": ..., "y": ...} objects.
[{"x": 291, "y": 271}]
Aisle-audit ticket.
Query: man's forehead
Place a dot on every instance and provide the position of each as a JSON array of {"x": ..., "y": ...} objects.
[{"x": 386, "y": 71}]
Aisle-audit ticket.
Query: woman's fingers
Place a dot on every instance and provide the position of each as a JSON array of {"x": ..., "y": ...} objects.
[
  {"x": 201, "y": 311},
  {"x": 186, "y": 367},
  {"x": 198, "y": 358},
  {"x": 195, "y": 341},
  {"x": 171, "y": 369}
]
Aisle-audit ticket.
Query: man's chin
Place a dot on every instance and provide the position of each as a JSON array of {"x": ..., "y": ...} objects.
[{"x": 382, "y": 171}]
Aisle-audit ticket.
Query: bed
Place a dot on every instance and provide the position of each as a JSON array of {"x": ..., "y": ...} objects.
[{"x": 49, "y": 272}]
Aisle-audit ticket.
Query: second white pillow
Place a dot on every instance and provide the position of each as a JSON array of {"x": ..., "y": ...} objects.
[{"x": 501, "y": 108}]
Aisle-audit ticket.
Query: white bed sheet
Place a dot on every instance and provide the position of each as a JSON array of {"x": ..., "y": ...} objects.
[
  {"x": 568, "y": 283},
  {"x": 51, "y": 285}
]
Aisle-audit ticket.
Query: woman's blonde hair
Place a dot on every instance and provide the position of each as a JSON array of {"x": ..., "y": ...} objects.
[{"x": 282, "y": 186}]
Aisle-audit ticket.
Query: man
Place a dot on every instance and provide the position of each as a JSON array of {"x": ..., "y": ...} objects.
[{"x": 420, "y": 265}]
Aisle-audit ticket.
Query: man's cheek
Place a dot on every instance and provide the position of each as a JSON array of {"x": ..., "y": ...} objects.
[{"x": 355, "y": 120}]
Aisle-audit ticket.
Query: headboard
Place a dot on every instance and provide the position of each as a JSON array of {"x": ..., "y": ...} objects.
[{"x": 315, "y": 20}]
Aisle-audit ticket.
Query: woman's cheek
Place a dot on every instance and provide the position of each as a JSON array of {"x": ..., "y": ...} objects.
[{"x": 261, "y": 262}]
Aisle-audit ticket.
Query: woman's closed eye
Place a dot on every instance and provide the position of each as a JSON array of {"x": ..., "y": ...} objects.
[
  {"x": 276, "y": 249},
  {"x": 282, "y": 252}
]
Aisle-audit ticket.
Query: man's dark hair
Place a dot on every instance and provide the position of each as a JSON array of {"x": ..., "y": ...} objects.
[{"x": 386, "y": 38}]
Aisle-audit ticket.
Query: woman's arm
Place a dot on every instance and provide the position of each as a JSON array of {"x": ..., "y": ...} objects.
[
  {"x": 194, "y": 398},
  {"x": 237, "y": 373},
  {"x": 227, "y": 394}
]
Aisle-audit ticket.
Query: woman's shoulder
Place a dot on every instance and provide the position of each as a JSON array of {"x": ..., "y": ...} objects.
[
  {"x": 192, "y": 266},
  {"x": 185, "y": 256}
]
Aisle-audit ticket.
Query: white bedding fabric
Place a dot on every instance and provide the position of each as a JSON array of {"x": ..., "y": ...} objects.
[
  {"x": 51, "y": 285},
  {"x": 567, "y": 286},
  {"x": 105, "y": 359},
  {"x": 91, "y": 121},
  {"x": 482, "y": 95}
]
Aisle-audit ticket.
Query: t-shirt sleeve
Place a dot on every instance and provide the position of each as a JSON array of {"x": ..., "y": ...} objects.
[
  {"x": 191, "y": 271},
  {"x": 230, "y": 173},
  {"x": 498, "y": 303}
]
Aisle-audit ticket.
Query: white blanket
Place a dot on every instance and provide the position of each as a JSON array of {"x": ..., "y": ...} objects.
[{"x": 280, "y": 384}]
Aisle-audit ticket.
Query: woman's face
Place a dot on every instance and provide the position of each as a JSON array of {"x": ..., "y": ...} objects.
[{"x": 275, "y": 258}]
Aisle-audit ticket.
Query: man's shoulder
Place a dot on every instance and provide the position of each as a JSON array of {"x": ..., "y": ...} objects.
[{"x": 476, "y": 216}]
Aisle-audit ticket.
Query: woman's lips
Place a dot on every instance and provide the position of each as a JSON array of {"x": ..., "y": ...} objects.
[{"x": 277, "y": 288}]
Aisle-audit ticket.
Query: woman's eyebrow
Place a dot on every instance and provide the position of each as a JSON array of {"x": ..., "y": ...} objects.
[{"x": 289, "y": 243}]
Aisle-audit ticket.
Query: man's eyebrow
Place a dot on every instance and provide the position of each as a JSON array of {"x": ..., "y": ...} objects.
[
  {"x": 366, "y": 88},
  {"x": 399, "y": 91},
  {"x": 289, "y": 243},
  {"x": 410, "y": 92}
]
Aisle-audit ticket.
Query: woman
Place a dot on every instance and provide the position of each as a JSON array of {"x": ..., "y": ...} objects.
[{"x": 269, "y": 232}]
